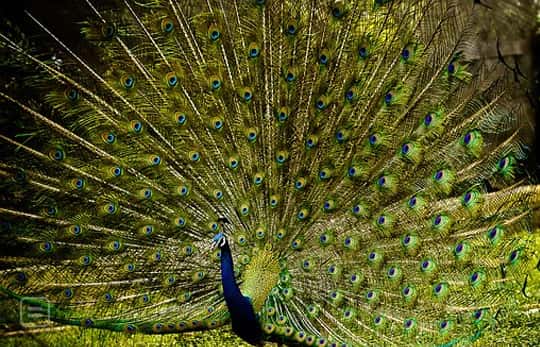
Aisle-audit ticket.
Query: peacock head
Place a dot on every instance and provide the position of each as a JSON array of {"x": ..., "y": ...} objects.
[{"x": 219, "y": 241}]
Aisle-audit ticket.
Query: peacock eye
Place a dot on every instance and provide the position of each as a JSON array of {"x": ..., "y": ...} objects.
[
  {"x": 216, "y": 84},
  {"x": 214, "y": 35},
  {"x": 46, "y": 246},
  {"x": 467, "y": 138},
  {"x": 117, "y": 171},
  {"x": 57, "y": 154},
  {"x": 369, "y": 294},
  {"x": 405, "y": 54},
  {"x": 478, "y": 314},
  {"x": 513, "y": 256},
  {"x": 72, "y": 94},
  {"x": 128, "y": 82},
  {"x": 108, "y": 31},
  {"x": 290, "y": 77},
  {"x": 362, "y": 52},
  {"x": 181, "y": 118},
  {"x": 291, "y": 29},
  {"x": 21, "y": 277},
  {"x": 337, "y": 13},
  {"x": 428, "y": 119},
  {"x": 111, "y": 208},
  {"x": 79, "y": 183},
  {"x": 405, "y": 148},
  {"x": 167, "y": 25},
  {"x": 388, "y": 98},
  {"x": 136, "y": 126}
]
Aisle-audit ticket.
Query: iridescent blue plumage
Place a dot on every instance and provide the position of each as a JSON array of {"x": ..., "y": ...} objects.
[{"x": 243, "y": 319}]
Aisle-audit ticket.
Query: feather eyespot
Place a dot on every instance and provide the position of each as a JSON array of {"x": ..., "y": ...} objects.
[
  {"x": 171, "y": 79},
  {"x": 363, "y": 52},
  {"x": 136, "y": 126},
  {"x": 428, "y": 119},
  {"x": 128, "y": 82},
  {"x": 388, "y": 98},
  {"x": 181, "y": 118},
  {"x": 167, "y": 25},
  {"x": 57, "y": 154},
  {"x": 108, "y": 31},
  {"x": 405, "y": 54},
  {"x": 214, "y": 33},
  {"x": 72, "y": 94},
  {"x": 215, "y": 84}
]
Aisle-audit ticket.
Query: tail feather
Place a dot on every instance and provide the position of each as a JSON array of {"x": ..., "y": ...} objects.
[{"x": 369, "y": 167}]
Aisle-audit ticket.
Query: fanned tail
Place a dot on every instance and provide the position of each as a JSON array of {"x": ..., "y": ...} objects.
[{"x": 370, "y": 170}]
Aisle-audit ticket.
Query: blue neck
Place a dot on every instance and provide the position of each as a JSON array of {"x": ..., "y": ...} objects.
[
  {"x": 243, "y": 319},
  {"x": 231, "y": 292}
]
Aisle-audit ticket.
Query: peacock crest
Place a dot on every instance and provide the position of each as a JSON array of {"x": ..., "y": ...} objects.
[{"x": 312, "y": 173}]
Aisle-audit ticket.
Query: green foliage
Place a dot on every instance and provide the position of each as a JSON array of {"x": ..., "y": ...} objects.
[{"x": 76, "y": 336}]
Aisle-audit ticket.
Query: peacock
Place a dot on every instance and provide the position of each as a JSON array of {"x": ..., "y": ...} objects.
[{"x": 308, "y": 172}]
